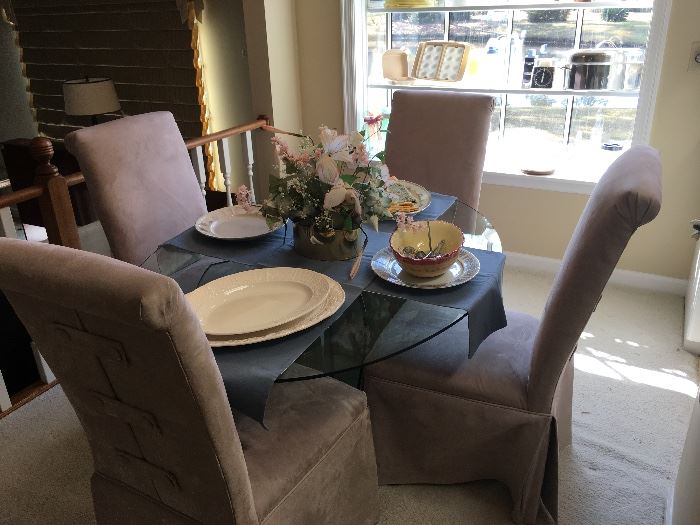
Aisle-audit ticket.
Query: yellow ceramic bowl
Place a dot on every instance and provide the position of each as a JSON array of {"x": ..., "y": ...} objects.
[{"x": 418, "y": 239}]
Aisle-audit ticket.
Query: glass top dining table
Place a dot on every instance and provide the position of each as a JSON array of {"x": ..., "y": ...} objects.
[{"x": 378, "y": 319}]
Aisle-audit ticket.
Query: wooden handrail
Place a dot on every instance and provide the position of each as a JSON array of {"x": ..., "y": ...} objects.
[
  {"x": 230, "y": 132},
  {"x": 32, "y": 192},
  {"x": 273, "y": 129},
  {"x": 74, "y": 178},
  {"x": 19, "y": 196}
]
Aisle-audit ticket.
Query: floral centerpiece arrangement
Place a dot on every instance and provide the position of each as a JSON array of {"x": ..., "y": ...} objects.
[{"x": 328, "y": 189}]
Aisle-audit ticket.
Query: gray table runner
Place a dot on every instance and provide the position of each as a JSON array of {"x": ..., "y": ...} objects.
[{"x": 250, "y": 371}]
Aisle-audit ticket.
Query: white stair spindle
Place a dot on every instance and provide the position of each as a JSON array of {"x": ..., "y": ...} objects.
[
  {"x": 249, "y": 160},
  {"x": 225, "y": 164},
  {"x": 197, "y": 158}
]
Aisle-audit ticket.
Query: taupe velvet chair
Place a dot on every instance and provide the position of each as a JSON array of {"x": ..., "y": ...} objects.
[
  {"x": 439, "y": 417},
  {"x": 140, "y": 374},
  {"x": 438, "y": 140},
  {"x": 141, "y": 181}
]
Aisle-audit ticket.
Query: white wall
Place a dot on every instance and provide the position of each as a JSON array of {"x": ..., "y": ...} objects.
[{"x": 225, "y": 68}]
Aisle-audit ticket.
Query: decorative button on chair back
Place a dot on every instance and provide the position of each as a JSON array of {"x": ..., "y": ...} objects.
[
  {"x": 505, "y": 413},
  {"x": 438, "y": 140},
  {"x": 141, "y": 180},
  {"x": 138, "y": 370}
]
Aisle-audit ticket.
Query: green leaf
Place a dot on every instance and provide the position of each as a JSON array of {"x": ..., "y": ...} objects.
[
  {"x": 347, "y": 225},
  {"x": 348, "y": 178},
  {"x": 381, "y": 155}
]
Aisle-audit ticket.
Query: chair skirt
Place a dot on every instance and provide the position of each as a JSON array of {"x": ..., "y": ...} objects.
[{"x": 425, "y": 436}]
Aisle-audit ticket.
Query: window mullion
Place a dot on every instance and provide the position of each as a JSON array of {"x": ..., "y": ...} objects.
[
  {"x": 509, "y": 33},
  {"x": 446, "y": 24},
  {"x": 579, "y": 28},
  {"x": 570, "y": 99},
  {"x": 504, "y": 96}
]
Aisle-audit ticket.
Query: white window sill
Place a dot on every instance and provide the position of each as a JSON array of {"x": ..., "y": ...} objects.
[
  {"x": 547, "y": 183},
  {"x": 576, "y": 170}
]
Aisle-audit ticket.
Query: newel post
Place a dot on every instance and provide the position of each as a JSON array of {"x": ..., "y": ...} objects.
[{"x": 55, "y": 204}]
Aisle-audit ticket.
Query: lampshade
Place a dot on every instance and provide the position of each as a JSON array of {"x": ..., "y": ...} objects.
[{"x": 90, "y": 96}]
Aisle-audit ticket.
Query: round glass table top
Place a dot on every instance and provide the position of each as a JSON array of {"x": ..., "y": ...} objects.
[{"x": 372, "y": 325}]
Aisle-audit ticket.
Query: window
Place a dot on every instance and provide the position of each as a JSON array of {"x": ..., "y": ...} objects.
[{"x": 556, "y": 124}]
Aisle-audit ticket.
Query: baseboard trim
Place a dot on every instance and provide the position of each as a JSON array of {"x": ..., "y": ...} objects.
[{"x": 643, "y": 281}]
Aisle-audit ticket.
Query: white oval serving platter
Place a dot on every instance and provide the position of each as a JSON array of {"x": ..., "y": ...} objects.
[
  {"x": 334, "y": 300},
  {"x": 257, "y": 300}
]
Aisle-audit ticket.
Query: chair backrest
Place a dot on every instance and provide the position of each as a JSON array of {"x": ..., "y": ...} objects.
[
  {"x": 627, "y": 197},
  {"x": 141, "y": 181},
  {"x": 438, "y": 140},
  {"x": 140, "y": 374}
]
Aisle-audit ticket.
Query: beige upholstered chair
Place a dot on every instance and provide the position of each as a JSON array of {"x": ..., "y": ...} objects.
[
  {"x": 141, "y": 181},
  {"x": 141, "y": 376},
  {"x": 439, "y": 417},
  {"x": 438, "y": 140}
]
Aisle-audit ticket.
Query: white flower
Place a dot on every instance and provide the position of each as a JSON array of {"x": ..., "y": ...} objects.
[
  {"x": 327, "y": 170},
  {"x": 351, "y": 197},
  {"x": 334, "y": 197},
  {"x": 335, "y": 145}
]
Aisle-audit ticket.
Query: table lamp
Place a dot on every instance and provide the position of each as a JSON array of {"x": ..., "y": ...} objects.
[{"x": 90, "y": 96}]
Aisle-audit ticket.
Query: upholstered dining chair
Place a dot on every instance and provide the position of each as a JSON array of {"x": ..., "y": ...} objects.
[
  {"x": 140, "y": 374},
  {"x": 141, "y": 181},
  {"x": 438, "y": 140},
  {"x": 439, "y": 417}
]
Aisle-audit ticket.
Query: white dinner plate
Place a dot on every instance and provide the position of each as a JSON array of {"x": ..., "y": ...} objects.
[
  {"x": 333, "y": 301},
  {"x": 233, "y": 222},
  {"x": 464, "y": 269},
  {"x": 403, "y": 190},
  {"x": 257, "y": 299}
]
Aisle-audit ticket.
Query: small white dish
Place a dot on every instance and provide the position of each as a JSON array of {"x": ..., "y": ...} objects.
[
  {"x": 463, "y": 270},
  {"x": 257, "y": 300},
  {"x": 404, "y": 191},
  {"x": 333, "y": 301},
  {"x": 234, "y": 223}
]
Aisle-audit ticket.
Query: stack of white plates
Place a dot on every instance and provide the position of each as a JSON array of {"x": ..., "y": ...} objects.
[{"x": 260, "y": 305}]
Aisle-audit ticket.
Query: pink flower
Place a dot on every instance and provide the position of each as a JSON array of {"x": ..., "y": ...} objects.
[
  {"x": 371, "y": 120},
  {"x": 244, "y": 198},
  {"x": 405, "y": 222}
]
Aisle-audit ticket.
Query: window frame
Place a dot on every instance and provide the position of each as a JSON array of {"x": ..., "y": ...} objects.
[{"x": 355, "y": 81}]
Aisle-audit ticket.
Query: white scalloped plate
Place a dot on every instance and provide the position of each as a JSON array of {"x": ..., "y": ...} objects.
[
  {"x": 233, "y": 223},
  {"x": 464, "y": 269},
  {"x": 333, "y": 301},
  {"x": 257, "y": 300}
]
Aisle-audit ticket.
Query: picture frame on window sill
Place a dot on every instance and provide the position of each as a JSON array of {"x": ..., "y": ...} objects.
[{"x": 441, "y": 60}]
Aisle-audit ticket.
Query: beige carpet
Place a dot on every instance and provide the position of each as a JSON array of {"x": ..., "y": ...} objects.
[{"x": 634, "y": 389}]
